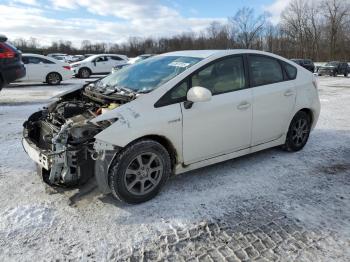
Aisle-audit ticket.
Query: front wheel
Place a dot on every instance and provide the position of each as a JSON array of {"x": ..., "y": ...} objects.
[
  {"x": 139, "y": 172},
  {"x": 298, "y": 132}
]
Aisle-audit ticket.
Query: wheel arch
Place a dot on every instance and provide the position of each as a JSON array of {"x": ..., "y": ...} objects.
[
  {"x": 309, "y": 112},
  {"x": 168, "y": 145}
]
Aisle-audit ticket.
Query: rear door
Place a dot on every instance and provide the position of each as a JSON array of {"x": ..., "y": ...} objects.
[
  {"x": 273, "y": 98},
  {"x": 35, "y": 68}
]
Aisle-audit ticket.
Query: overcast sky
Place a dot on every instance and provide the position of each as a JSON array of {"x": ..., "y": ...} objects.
[{"x": 115, "y": 20}]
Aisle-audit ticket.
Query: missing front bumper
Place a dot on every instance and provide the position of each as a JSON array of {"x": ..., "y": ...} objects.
[{"x": 74, "y": 167}]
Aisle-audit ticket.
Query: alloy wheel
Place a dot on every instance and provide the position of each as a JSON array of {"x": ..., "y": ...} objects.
[
  {"x": 85, "y": 73},
  {"x": 300, "y": 132},
  {"x": 143, "y": 173},
  {"x": 54, "y": 79}
]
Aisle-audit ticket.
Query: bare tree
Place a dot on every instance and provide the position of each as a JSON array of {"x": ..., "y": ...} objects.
[
  {"x": 337, "y": 13},
  {"x": 248, "y": 26}
]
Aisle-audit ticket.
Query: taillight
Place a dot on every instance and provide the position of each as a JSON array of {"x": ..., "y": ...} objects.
[
  {"x": 6, "y": 52},
  {"x": 66, "y": 67}
]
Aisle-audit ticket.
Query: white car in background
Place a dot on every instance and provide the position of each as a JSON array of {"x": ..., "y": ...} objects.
[
  {"x": 45, "y": 69},
  {"x": 97, "y": 64},
  {"x": 170, "y": 114},
  {"x": 131, "y": 62}
]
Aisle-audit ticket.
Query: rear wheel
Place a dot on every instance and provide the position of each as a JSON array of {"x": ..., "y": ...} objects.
[
  {"x": 84, "y": 73},
  {"x": 53, "y": 79},
  {"x": 139, "y": 172},
  {"x": 346, "y": 74},
  {"x": 298, "y": 133}
]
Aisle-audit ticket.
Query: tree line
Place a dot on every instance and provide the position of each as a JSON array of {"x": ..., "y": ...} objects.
[{"x": 316, "y": 29}]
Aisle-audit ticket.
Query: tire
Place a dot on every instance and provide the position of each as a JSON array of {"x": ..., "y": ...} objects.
[
  {"x": 346, "y": 74},
  {"x": 2, "y": 83},
  {"x": 334, "y": 74},
  {"x": 53, "y": 78},
  {"x": 84, "y": 72},
  {"x": 298, "y": 132},
  {"x": 132, "y": 168}
]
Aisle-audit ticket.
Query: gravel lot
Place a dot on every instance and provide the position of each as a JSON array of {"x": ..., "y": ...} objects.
[{"x": 271, "y": 205}]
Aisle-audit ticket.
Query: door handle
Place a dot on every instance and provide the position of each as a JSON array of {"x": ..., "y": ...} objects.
[
  {"x": 243, "y": 105},
  {"x": 289, "y": 93}
]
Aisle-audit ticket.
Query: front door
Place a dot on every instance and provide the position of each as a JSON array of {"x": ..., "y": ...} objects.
[
  {"x": 223, "y": 124},
  {"x": 101, "y": 65}
]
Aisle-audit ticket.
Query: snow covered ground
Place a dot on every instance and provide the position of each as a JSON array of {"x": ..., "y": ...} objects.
[{"x": 271, "y": 205}]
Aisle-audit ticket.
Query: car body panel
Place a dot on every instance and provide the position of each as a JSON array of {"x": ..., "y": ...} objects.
[{"x": 206, "y": 124}]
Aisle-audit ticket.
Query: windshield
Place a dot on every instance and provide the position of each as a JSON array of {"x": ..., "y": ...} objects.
[
  {"x": 332, "y": 64},
  {"x": 148, "y": 74}
]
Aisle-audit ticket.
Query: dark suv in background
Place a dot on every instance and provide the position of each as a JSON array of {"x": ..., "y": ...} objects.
[
  {"x": 306, "y": 63},
  {"x": 11, "y": 66},
  {"x": 334, "y": 68}
]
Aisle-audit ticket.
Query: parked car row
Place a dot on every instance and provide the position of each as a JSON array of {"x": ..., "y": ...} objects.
[{"x": 333, "y": 68}]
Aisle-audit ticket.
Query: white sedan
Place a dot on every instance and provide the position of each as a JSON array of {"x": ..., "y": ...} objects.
[
  {"x": 45, "y": 69},
  {"x": 97, "y": 64},
  {"x": 170, "y": 114}
]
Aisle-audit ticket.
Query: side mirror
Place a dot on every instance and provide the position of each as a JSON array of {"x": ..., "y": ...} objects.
[{"x": 198, "y": 94}]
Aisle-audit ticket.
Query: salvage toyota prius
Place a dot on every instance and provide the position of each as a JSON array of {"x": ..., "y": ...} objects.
[{"x": 169, "y": 114}]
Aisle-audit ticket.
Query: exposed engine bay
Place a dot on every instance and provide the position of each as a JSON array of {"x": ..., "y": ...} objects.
[{"x": 64, "y": 136}]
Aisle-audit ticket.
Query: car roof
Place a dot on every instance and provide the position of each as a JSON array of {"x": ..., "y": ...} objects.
[
  {"x": 37, "y": 55},
  {"x": 43, "y": 57},
  {"x": 207, "y": 53}
]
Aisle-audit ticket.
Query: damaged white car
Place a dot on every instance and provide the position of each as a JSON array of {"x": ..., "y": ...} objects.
[{"x": 170, "y": 114}]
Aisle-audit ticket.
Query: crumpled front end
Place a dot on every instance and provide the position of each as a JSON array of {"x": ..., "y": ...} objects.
[
  {"x": 61, "y": 137},
  {"x": 61, "y": 158}
]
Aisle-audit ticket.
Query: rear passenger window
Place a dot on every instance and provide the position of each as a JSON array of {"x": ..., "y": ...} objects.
[
  {"x": 290, "y": 70},
  {"x": 264, "y": 70},
  {"x": 117, "y": 58}
]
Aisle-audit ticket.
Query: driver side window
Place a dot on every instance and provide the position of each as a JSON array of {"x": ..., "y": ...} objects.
[{"x": 224, "y": 76}]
